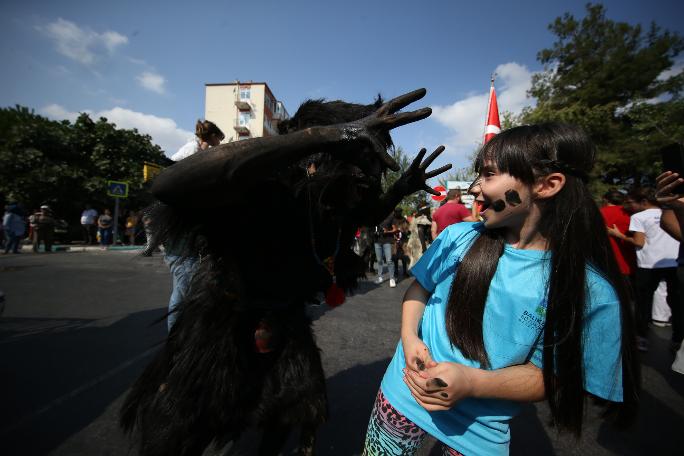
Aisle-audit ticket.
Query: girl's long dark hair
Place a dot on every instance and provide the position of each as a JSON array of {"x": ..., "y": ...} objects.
[{"x": 577, "y": 239}]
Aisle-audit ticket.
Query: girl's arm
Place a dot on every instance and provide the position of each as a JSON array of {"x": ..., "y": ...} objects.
[
  {"x": 416, "y": 353},
  {"x": 442, "y": 386}
]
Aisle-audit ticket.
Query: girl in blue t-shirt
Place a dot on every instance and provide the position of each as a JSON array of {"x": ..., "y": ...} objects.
[{"x": 527, "y": 305}]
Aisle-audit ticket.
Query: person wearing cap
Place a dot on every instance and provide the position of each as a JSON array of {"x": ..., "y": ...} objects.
[{"x": 44, "y": 229}]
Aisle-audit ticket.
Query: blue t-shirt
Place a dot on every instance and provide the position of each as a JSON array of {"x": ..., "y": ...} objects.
[{"x": 514, "y": 318}]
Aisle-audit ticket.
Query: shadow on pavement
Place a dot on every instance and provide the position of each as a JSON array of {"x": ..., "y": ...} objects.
[
  {"x": 351, "y": 394},
  {"x": 58, "y": 376}
]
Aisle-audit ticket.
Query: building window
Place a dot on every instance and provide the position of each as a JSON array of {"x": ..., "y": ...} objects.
[
  {"x": 245, "y": 93},
  {"x": 244, "y": 118}
]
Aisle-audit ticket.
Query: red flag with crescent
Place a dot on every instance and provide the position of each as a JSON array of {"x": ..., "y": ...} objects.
[{"x": 492, "y": 125}]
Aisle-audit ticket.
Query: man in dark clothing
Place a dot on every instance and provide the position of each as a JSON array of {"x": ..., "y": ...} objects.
[{"x": 44, "y": 229}]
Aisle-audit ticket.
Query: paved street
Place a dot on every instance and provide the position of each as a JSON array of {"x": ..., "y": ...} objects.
[{"x": 79, "y": 327}]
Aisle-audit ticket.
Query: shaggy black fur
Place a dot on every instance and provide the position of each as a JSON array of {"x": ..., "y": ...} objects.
[{"x": 257, "y": 264}]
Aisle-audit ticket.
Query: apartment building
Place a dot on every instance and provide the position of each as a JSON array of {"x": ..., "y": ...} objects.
[{"x": 243, "y": 110}]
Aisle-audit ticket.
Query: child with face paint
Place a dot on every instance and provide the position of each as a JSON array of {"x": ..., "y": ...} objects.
[{"x": 526, "y": 305}]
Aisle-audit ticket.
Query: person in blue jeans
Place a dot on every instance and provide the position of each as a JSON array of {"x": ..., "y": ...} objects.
[
  {"x": 181, "y": 275},
  {"x": 104, "y": 226},
  {"x": 384, "y": 240},
  {"x": 14, "y": 227},
  {"x": 207, "y": 135}
]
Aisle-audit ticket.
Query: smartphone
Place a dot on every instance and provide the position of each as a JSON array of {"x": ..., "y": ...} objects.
[{"x": 673, "y": 160}]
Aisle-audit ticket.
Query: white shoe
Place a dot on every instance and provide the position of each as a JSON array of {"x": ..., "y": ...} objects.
[
  {"x": 378, "y": 280},
  {"x": 393, "y": 283}
]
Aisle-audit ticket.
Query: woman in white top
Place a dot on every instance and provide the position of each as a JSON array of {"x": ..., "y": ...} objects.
[{"x": 207, "y": 134}]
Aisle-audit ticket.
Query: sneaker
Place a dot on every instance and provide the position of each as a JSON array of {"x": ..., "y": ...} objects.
[
  {"x": 642, "y": 344},
  {"x": 393, "y": 283},
  {"x": 378, "y": 280},
  {"x": 661, "y": 324}
]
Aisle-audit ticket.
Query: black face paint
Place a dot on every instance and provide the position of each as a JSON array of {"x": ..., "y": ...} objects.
[
  {"x": 444, "y": 394},
  {"x": 498, "y": 205},
  {"x": 512, "y": 198}
]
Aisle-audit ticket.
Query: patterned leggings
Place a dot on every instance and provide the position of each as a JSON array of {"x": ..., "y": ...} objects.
[{"x": 391, "y": 433}]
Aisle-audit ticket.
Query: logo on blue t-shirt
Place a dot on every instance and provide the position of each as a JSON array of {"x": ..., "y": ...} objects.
[{"x": 535, "y": 319}]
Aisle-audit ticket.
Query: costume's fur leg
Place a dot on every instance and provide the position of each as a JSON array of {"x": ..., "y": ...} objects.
[
  {"x": 274, "y": 438},
  {"x": 307, "y": 440},
  {"x": 163, "y": 431},
  {"x": 165, "y": 437}
]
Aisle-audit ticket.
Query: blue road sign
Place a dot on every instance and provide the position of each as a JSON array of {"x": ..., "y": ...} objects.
[{"x": 117, "y": 189}]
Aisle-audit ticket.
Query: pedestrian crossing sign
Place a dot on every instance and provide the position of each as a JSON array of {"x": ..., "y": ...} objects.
[{"x": 117, "y": 189}]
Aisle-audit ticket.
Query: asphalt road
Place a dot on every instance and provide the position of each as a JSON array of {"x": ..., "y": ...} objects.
[{"x": 80, "y": 326}]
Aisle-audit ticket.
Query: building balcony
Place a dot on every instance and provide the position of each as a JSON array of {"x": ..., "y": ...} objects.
[
  {"x": 243, "y": 105},
  {"x": 242, "y": 129}
]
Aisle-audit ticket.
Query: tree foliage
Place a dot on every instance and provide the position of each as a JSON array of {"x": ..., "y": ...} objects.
[
  {"x": 611, "y": 78},
  {"x": 67, "y": 165},
  {"x": 459, "y": 174}
]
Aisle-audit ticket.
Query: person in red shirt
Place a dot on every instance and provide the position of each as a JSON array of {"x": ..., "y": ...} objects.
[
  {"x": 453, "y": 211},
  {"x": 617, "y": 219}
]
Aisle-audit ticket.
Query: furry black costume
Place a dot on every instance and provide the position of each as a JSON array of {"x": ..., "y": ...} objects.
[{"x": 259, "y": 263}]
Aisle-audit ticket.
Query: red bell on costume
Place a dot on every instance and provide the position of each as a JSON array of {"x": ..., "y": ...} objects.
[
  {"x": 334, "y": 296},
  {"x": 262, "y": 338}
]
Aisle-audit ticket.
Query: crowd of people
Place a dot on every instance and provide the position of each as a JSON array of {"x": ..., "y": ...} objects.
[
  {"x": 647, "y": 255},
  {"x": 403, "y": 239},
  {"x": 40, "y": 228}
]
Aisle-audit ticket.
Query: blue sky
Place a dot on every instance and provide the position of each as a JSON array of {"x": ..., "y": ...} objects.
[{"x": 144, "y": 64}]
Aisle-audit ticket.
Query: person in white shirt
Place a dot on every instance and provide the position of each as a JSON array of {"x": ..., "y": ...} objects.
[
  {"x": 207, "y": 134},
  {"x": 656, "y": 260},
  {"x": 89, "y": 225}
]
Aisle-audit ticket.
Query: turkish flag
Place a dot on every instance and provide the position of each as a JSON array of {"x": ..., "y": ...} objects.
[{"x": 492, "y": 125}]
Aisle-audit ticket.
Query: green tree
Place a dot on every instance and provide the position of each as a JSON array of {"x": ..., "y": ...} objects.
[
  {"x": 607, "y": 77},
  {"x": 67, "y": 165}
]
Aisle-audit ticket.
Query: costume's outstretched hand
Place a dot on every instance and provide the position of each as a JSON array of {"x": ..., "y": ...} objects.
[
  {"x": 666, "y": 184},
  {"x": 415, "y": 176},
  {"x": 372, "y": 128}
]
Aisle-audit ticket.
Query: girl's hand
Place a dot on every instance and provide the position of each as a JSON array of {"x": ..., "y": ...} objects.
[
  {"x": 416, "y": 354},
  {"x": 445, "y": 385}
]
